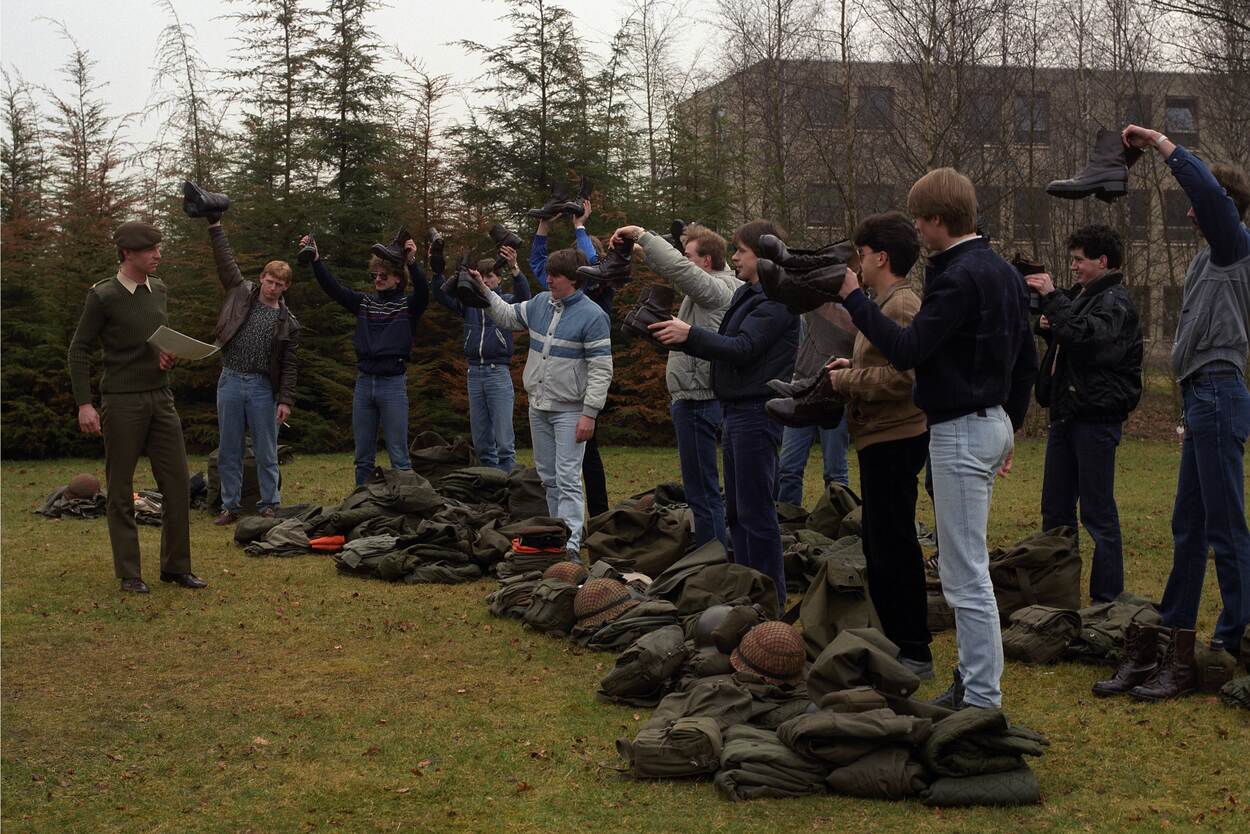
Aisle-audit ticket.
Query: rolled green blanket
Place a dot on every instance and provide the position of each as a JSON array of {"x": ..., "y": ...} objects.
[{"x": 1010, "y": 787}]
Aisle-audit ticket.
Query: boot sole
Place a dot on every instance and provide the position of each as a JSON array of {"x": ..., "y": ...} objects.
[{"x": 1110, "y": 188}]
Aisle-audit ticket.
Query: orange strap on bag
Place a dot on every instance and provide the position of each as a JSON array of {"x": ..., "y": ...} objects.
[{"x": 328, "y": 544}]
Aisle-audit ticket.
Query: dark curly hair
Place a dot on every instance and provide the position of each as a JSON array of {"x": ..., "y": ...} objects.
[
  {"x": 1097, "y": 240},
  {"x": 892, "y": 233}
]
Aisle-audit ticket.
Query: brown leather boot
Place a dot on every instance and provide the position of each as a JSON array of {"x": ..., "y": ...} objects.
[
  {"x": 1177, "y": 673},
  {"x": 1141, "y": 659}
]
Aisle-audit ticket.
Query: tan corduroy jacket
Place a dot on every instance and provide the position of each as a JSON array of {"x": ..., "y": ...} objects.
[{"x": 879, "y": 397}]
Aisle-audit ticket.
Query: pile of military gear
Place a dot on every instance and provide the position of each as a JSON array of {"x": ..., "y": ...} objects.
[{"x": 82, "y": 497}]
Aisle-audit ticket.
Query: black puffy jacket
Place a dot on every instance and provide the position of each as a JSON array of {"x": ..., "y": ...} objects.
[
  {"x": 757, "y": 341},
  {"x": 1092, "y": 366}
]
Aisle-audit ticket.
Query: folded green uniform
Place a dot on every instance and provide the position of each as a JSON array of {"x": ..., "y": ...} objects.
[
  {"x": 885, "y": 773},
  {"x": 755, "y": 764},
  {"x": 836, "y": 739},
  {"x": 975, "y": 741}
]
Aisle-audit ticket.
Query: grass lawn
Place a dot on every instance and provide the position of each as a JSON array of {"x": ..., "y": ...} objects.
[{"x": 288, "y": 698}]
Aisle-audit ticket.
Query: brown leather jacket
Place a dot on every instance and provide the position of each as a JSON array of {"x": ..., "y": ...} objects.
[{"x": 240, "y": 295}]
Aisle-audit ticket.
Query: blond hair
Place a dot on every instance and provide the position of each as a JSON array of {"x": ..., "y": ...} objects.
[
  {"x": 278, "y": 270},
  {"x": 948, "y": 195}
]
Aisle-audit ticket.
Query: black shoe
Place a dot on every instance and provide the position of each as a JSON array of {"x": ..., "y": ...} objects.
[
  {"x": 814, "y": 406},
  {"x": 135, "y": 586},
  {"x": 197, "y": 202},
  {"x": 186, "y": 580},
  {"x": 801, "y": 292},
  {"x": 952, "y": 698},
  {"x": 675, "y": 230},
  {"x": 613, "y": 267},
  {"x": 465, "y": 289},
  {"x": 793, "y": 388},
  {"x": 502, "y": 236},
  {"x": 805, "y": 260},
  {"x": 655, "y": 304},
  {"x": 309, "y": 253},
  {"x": 560, "y": 203},
  {"x": 394, "y": 251},
  {"x": 1106, "y": 175}
]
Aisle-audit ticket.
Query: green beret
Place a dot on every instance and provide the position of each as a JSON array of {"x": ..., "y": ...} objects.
[{"x": 136, "y": 235}]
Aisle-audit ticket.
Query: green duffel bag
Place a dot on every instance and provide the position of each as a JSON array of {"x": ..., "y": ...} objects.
[
  {"x": 644, "y": 670},
  {"x": 513, "y": 596},
  {"x": 551, "y": 607},
  {"x": 837, "y": 600},
  {"x": 433, "y": 457},
  {"x": 526, "y": 495},
  {"x": 645, "y": 541},
  {"x": 1040, "y": 569},
  {"x": 689, "y": 747},
  {"x": 852, "y": 523},
  {"x": 1039, "y": 633},
  {"x": 791, "y": 518},
  {"x": 1101, "y": 638},
  {"x": 249, "y": 491},
  {"x": 1216, "y": 667},
  {"x": 836, "y": 501}
]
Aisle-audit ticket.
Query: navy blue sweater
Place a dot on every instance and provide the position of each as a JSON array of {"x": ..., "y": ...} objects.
[
  {"x": 757, "y": 341},
  {"x": 385, "y": 321},
  {"x": 484, "y": 341},
  {"x": 969, "y": 343}
]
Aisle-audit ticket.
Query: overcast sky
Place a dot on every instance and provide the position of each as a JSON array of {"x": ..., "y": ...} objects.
[{"x": 121, "y": 36}]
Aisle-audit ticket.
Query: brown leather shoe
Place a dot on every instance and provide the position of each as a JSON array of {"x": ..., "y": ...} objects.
[
  {"x": 225, "y": 518},
  {"x": 1177, "y": 673},
  {"x": 135, "y": 586},
  {"x": 186, "y": 580},
  {"x": 1141, "y": 659}
]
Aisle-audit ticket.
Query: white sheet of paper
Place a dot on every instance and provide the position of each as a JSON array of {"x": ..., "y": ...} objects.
[{"x": 180, "y": 344}]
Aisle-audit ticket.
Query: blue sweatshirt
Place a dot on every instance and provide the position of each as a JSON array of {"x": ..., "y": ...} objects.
[
  {"x": 484, "y": 341},
  {"x": 385, "y": 321},
  {"x": 969, "y": 343},
  {"x": 601, "y": 294}
]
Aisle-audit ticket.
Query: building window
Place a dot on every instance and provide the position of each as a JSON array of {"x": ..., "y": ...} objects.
[
  {"x": 1181, "y": 121},
  {"x": 1138, "y": 213},
  {"x": 1135, "y": 110},
  {"x": 1032, "y": 220},
  {"x": 822, "y": 107},
  {"x": 989, "y": 210},
  {"x": 1176, "y": 209},
  {"x": 824, "y": 206},
  {"x": 1032, "y": 119},
  {"x": 982, "y": 119},
  {"x": 876, "y": 108},
  {"x": 874, "y": 198},
  {"x": 1172, "y": 300}
]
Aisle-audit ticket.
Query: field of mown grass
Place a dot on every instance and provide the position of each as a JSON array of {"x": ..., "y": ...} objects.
[{"x": 285, "y": 698}]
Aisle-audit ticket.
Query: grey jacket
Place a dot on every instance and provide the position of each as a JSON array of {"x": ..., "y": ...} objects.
[
  {"x": 706, "y": 298},
  {"x": 1215, "y": 316},
  {"x": 822, "y": 340}
]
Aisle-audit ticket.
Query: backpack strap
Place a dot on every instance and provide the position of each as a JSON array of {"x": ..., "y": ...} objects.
[{"x": 792, "y": 616}]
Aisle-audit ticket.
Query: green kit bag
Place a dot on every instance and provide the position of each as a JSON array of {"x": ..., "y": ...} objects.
[
  {"x": 691, "y": 746},
  {"x": 1040, "y": 569},
  {"x": 643, "y": 671},
  {"x": 1040, "y": 634},
  {"x": 836, "y": 501},
  {"x": 551, "y": 607}
]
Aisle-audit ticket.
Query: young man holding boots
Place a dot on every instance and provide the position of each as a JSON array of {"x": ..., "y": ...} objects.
[
  {"x": 1209, "y": 360},
  {"x": 975, "y": 363},
  {"x": 1090, "y": 379},
  {"x": 258, "y": 338}
]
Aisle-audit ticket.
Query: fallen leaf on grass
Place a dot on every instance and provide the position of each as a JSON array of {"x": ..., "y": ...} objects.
[
  {"x": 260, "y": 741},
  {"x": 424, "y": 763},
  {"x": 372, "y": 751},
  {"x": 117, "y": 757},
  {"x": 522, "y": 787}
]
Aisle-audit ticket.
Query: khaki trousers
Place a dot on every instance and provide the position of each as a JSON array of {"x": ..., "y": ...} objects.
[{"x": 146, "y": 423}]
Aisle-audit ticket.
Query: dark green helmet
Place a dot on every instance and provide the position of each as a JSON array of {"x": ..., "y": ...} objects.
[{"x": 707, "y": 624}]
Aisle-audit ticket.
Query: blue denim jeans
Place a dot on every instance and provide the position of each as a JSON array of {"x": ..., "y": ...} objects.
[
  {"x": 1080, "y": 466},
  {"x": 245, "y": 403},
  {"x": 490, "y": 415},
  {"x": 1210, "y": 506},
  {"x": 380, "y": 399},
  {"x": 697, "y": 423},
  {"x": 558, "y": 459},
  {"x": 796, "y": 445},
  {"x": 964, "y": 454},
  {"x": 750, "y": 440}
]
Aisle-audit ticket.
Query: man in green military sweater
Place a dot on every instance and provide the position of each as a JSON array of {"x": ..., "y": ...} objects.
[{"x": 137, "y": 414}]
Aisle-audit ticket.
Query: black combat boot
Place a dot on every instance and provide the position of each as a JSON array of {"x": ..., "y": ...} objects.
[
  {"x": 308, "y": 254},
  {"x": 197, "y": 202},
  {"x": 816, "y": 405},
  {"x": 805, "y": 260},
  {"x": 613, "y": 267},
  {"x": 503, "y": 236},
  {"x": 655, "y": 304},
  {"x": 675, "y": 230},
  {"x": 1106, "y": 175},
  {"x": 1139, "y": 662},
  {"x": 802, "y": 291},
  {"x": 466, "y": 289},
  {"x": 559, "y": 203},
  {"x": 394, "y": 251},
  {"x": 953, "y": 697},
  {"x": 1177, "y": 673}
]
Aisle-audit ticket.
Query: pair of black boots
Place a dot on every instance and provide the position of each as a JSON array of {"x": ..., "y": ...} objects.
[
  {"x": 808, "y": 402},
  {"x": 197, "y": 202},
  {"x": 803, "y": 279},
  {"x": 613, "y": 267},
  {"x": 1148, "y": 675},
  {"x": 655, "y": 304},
  {"x": 1106, "y": 175},
  {"x": 561, "y": 202}
]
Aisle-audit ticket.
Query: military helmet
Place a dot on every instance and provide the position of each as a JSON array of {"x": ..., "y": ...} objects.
[
  {"x": 83, "y": 485},
  {"x": 574, "y": 573},
  {"x": 772, "y": 650},
  {"x": 600, "y": 601},
  {"x": 707, "y": 624}
]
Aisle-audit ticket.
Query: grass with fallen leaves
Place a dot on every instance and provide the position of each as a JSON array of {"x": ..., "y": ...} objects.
[{"x": 287, "y": 698}]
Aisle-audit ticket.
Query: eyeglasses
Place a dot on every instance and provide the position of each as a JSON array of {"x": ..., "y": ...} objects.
[{"x": 379, "y": 276}]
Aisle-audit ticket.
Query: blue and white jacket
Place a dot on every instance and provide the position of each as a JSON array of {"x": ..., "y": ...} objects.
[
  {"x": 569, "y": 367},
  {"x": 485, "y": 343}
]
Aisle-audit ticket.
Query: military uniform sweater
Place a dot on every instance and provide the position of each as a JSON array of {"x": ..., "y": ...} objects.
[{"x": 121, "y": 324}]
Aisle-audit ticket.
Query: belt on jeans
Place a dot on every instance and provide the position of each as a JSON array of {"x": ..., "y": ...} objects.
[{"x": 1200, "y": 376}]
